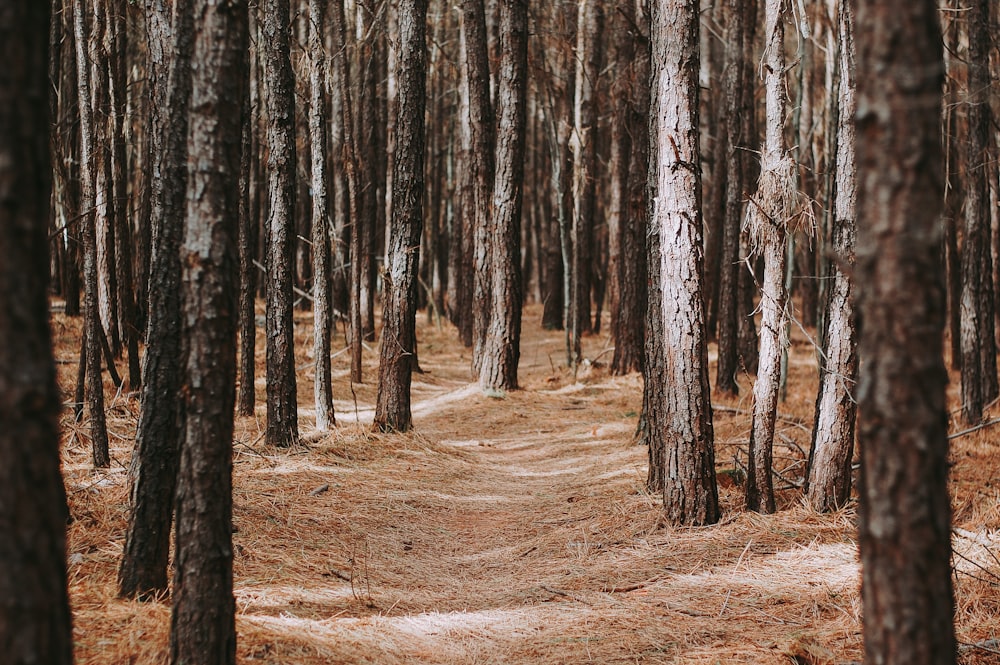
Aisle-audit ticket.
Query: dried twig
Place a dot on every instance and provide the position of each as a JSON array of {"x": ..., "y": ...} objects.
[
  {"x": 975, "y": 428},
  {"x": 564, "y": 594}
]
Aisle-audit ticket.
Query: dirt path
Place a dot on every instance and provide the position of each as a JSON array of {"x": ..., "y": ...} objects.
[
  {"x": 519, "y": 531},
  {"x": 501, "y": 531}
]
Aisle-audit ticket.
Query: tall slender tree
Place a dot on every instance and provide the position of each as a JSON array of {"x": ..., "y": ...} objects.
[
  {"x": 65, "y": 172},
  {"x": 399, "y": 340},
  {"x": 629, "y": 270},
  {"x": 836, "y": 406},
  {"x": 584, "y": 146},
  {"x": 322, "y": 315},
  {"x": 342, "y": 81},
  {"x": 98, "y": 58},
  {"x": 279, "y": 100},
  {"x": 249, "y": 232},
  {"x": 557, "y": 91},
  {"x": 203, "y": 622},
  {"x": 153, "y": 469},
  {"x": 904, "y": 521},
  {"x": 737, "y": 79},
  {"x": 768, "y": 216},
  {"x": 480, "y": 168},
  {"x": 369, "y": 28},
  {"x": 748, "y": 338},
  {"x": 339, "y": 194},
  {"x": 684, "y": 429},
  {"x": 501, "y": 350},
  {"x": 118, "y": 193},
  {"x": 979, "y": 351},
  {"x": 93, "y": 330},
  {"x": 34, "y": 605}
]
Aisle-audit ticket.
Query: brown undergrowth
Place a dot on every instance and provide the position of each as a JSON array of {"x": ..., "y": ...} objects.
[{"x": 514, "y": 530}]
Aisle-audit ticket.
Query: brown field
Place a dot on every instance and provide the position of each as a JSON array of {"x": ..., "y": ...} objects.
[{"x": 512, "y": 530}]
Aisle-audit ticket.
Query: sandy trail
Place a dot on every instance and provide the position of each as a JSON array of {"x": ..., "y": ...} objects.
[{"x": 519, "y": 530}]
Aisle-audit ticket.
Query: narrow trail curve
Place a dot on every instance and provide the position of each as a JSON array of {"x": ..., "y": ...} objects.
[
  {"x": 511, "y": 531},
  {"x": 487, "y": 520}
]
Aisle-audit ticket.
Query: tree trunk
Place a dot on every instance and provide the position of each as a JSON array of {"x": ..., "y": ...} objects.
[
  {"x": 34, "y": 606},
  {"x": 98, "y": 57},
  {"x": 954, "y": 196},
  {"x": 690, "y": 495},
  {"x": 502, "y": 345},
  {"x": 92, "y": 319},
  {"x": 341, "y": 73},
  {"x": 340, "y": 226},
  {"x": 558, "y": 89},
  {"x": 322, "y": 316},
  {"x": 66, "y": 145},
  {"x": 737, "y": 80},
  {"x": 714, "y": 158},
  {"x": 203, "y": 622},
  {"x": 904, "y": 519},
  {"x": 630, "y": 270},
  {"x": 124, "y": 276},
  {"x": 480, "y": 170},
  {"x": 979, "y": 354},
  {"x": 584, "y": 145},
  {"x": 279, "y": 100},
  {"x": 622, "y": 52},
  {"x": 366, "y": 144},
  {"x": 153, "y": 470},
  {"x": 747, "y": 326},
  {"x": 460, "y": 246},
  {"x": 833, "y": 434},
  {"x": 398, "y": 349},
  {"x": 248, "y": 233},
  {"x": 770, "y": 209}
]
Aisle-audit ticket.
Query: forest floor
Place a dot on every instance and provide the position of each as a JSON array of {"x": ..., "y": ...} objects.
[{"x": 514, "y": 530}]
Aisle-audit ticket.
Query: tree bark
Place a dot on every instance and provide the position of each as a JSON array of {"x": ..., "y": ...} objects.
[
  {"x": 66, "y": 144},
  {"x": 630, "y": 269},
  {"x": 502, "y": 345},
  {"x": 769, "y": 213},
  {"x": 829, "y": 473},
  {"x": 124, "y": 276},
  {"x": 203, "y": 625},
  {"x": 954, "y": 196},
  {"x": 92, "y": 319},
  {"x": 738, "y": 79},
  {"x": 558, "y": 88},
  {"x": 904, "y": 519},
  {"x": 340, "y": 226},
  {"x": 480, "y": 170},
  {"x": 583, "y": 143},
  {"x": 248, "y": 234},
  {"x": 460, "y": 241},
  {"x": 342, "y": 78},
  {"x": 979, "y": 353},
  {"x": 153, "y": 469},
  {"x": 399, "y": 340},
  {"x": 747, "y": 326},
  {"x": 322, "y": 316},
  {"x": 690, "y": 495},
  {"x": 279, "y": 100},
  {"x": 367, "y": 154},
  {"x": 98, "y": 57},
  {"x": 34, "y": 606}
]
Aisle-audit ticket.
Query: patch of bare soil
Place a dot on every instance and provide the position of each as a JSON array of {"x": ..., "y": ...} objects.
[{"x": 514, "y": 530}]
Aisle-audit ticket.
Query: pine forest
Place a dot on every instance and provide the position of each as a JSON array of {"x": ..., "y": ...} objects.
[{"x": 494, "y": 331}]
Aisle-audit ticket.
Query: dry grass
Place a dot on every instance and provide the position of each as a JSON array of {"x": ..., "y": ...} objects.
[{"x": 510, "y": 531}]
